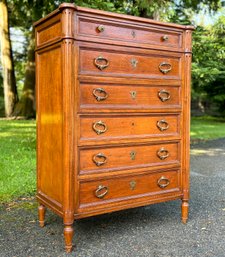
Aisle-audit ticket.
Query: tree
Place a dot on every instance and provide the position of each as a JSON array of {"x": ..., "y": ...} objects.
[
  {"x": 9, "y": 81},
  {"x": 25, "y": 13},
  {"x": 208, "y": 68}
]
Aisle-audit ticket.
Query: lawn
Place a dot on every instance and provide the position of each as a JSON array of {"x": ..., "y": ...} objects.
[
  {"x": 206, "y": 128},
  {"x": 18, "y": 159}
]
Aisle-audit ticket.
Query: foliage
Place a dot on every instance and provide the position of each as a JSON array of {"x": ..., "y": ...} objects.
[
  {"x": 17, "y": 158},
  {"x": 208, "y": 68}
]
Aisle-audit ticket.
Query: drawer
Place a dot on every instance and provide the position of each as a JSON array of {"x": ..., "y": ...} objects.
[
  {"x": 104, "y": 191},
  {"x": 125, "y": 64},
  {"x": 117, "y": 127},
  {"x": 138, "y": 97},
  {"x": 99, "y": 29},
  {"x": 136, "y": 156}
]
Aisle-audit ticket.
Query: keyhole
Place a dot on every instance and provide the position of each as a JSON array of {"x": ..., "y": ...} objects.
[
  {"x": 132, "y": 155},
  {"x": 133, "y": 94},
  {"x": 134, "y": 63}
]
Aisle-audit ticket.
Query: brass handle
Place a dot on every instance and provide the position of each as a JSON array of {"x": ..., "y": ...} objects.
[
  {"x": 98, "y": 60},
  {"x": 100, "y": 156},
  {"x": 162, "y": 125},
  {"x": 100, "y": 28},
  {"x": 98, "y": 191},
  {"x": 100, "y": 94},
  {"x": 163, "y": 182},
  {"x": 165, "y": 67},
  {"x": 163, "y": 153},
  {"x": 98, "y": 124},
  {"x": 165, "y": 38},
  {"x": 164, "y": 95}
]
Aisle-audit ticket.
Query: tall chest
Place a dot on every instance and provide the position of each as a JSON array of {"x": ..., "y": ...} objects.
[{"x": 113, "y": 107}]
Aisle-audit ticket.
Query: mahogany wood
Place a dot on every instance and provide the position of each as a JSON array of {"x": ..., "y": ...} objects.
[{"x": 113, "y": 113}]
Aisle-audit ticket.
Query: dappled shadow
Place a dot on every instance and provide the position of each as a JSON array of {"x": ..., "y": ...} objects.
[{"x": 208, "y": 152}]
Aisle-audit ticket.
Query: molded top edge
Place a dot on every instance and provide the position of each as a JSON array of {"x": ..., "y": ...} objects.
[{"x": 113, "y": 15}]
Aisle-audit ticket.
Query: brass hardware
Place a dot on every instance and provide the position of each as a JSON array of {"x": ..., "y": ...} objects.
[
  {"x": 100, "y": 28},
  {"x": 133, "y": 94},
  {"x": 100, "y": 188},
  {"x": 97, "y": 92},
  {"x": 101, "y": 66},
  {"x": 163, "y": 182},
  {"x": 132, "y": 155},
  {"x": 164, "y": 95},
  {"x": 100, "y": 156},
  {"x": 132, "y": 184},
  {"x": 134, "y": 63},
  {"x": 162, "y": 125},
  {"x": 99, "y": 124},
  {"x": 165, "y": 67},
  {"x": 133, "y": 33},
  {"x": 163, "y": 153},
  {"x": 165, "y": 38}
]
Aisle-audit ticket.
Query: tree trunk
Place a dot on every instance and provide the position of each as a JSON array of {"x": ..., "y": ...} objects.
[
  {"x": 26, "y": 105},
  {"x": 9, "y": 80}
]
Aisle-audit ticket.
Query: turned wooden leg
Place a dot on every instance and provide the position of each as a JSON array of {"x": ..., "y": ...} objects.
[
  {"x": 68, "y": 235},
  {"x": 184, "y": 211},
  {"x": 41, "y": 214}
]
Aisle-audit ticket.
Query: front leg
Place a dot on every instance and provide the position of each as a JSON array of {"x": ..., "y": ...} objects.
[
  {"x": 184, "y": 211},
  {"x": 41, "y": 214},
  {"x": 68, "y": 236}
]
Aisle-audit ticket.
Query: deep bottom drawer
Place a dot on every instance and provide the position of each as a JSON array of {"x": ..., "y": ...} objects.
[{"x": 105, "y": 191}]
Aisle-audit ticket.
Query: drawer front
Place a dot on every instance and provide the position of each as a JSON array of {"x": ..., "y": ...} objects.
[
  {"x": 116, "y": 127},
  {"x": 124, "y": 188},
  {"x": 110, "y": 63},
  {"x": 130, "y": 157},
  {"x": 101, "y": 29},
  {"x": 97, "y": 96}
]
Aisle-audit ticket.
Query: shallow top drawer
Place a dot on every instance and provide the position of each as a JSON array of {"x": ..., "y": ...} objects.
[{"x": 122, "y": 33}]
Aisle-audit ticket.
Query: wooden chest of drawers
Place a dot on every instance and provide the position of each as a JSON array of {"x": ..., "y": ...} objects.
[{"x": 113, "y": 95}]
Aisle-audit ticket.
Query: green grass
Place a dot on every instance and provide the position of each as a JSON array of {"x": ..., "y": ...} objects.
[
  {"x": 206, "y": 128},
  {"x": 17, "y": 159}
]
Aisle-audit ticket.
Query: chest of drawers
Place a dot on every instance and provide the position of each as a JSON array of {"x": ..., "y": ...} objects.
[{"x": 113, "y": 106}]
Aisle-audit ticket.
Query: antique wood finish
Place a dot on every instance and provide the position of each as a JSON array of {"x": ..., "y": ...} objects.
[
  {"x": 102, "y": 159},
  {"x": 113, "y": 107},
  {"x": 106, "y": 191},
  {"x": 131, "y": 97}
]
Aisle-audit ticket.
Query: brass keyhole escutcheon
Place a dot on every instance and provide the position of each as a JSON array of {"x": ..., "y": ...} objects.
[
  {"x": 133, "y": 94},
  {"x": 132, "y": 184},
  {"x": 132, "y": 155},
  {"x": 134, "y": 63}
]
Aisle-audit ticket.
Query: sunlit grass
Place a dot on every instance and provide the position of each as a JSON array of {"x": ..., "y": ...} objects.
[
  {"x": 206, "y": 128},
  {"x": 17, "y": 159}
]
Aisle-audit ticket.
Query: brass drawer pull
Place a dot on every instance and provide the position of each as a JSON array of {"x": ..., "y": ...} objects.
[
  {"x": 162, "y": 125},
  {"x": 164, "y": 95},
  {"x": 163, "y": 182},
  {"x": 103, "y": 189},
  {"x": 165, "y": 67},
  {"x": 163, "y": 153},
  {"x": 100, "y": 156},
  {"x": 165, "y": 38},
  {"x": 99, "y": 60},
  {"x": 100, "y": 28},
  {"x": 100, "y": 94},
  {"x": 100, "y": 124}
]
